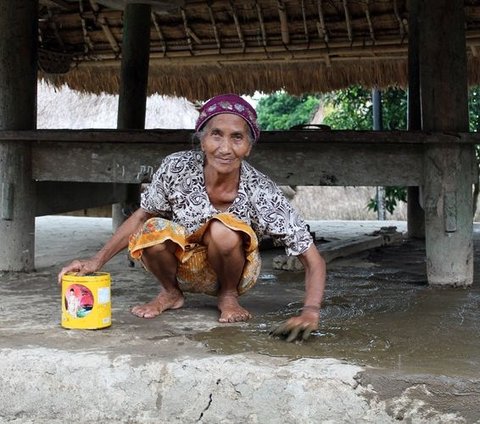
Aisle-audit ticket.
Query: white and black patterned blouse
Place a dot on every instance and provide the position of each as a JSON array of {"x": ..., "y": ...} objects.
[{"x": 178, "y": 193}]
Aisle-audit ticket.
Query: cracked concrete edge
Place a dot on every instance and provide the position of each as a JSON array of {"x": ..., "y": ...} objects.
[{"x": 40, "y": 385}]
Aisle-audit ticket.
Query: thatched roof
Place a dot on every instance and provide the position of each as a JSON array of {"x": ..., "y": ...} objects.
[
  {"x": 64, "y": 108},
  {"x": 199, "y": 48}
]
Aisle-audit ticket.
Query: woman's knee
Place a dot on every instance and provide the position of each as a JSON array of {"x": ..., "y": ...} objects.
[
  {"x": 159, "y": 249},
  {"x": 222, "y": 237}
]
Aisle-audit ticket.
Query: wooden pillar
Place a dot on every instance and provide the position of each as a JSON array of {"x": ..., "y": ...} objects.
[
  {"x": 378, "y": 126},
  {"x": 448, "y": 167},
  {"x": 415, "y": 213},
  {"x": 132, "y": 99},
  {"x": 18, "y": 88}
]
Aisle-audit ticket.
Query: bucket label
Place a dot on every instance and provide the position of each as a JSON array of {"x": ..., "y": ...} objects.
[
  {"x": 78, "y": 300},
  {"x": 103, "y": 295}
]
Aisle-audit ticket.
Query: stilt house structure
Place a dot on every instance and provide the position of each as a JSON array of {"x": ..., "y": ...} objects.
[{"x": 199, "y": 48}]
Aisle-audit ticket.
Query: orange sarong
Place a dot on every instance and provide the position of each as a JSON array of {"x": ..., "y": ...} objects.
[{"x": 194, "y": 273}]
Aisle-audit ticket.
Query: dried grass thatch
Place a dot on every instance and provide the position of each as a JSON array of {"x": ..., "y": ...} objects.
[
  {"x": 296, "y": 78},
  {"x": 199, "y": 48},
  {"x": 69, "y": 109}
]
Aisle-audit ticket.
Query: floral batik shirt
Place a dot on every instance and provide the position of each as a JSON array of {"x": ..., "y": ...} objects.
[{"x": 177, "y": 192}]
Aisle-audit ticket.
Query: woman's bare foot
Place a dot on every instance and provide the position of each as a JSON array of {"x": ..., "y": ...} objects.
[
  {"x": 230, "y": 309},
  {"x": 164, "y": 301}
]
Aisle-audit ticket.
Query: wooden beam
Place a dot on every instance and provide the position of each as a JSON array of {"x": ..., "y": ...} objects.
[
  {"x": 237, "y": 25},
  {"x": 88, "y": 42},
  {"x": 401, "y": 25},
  {"x": 262, "y": 25},
  {"x": 272, "y": 138},
  {"x": 302, "y": 157},
  {"x": 289, "y": 163},
  {"x": 215, "y": 29},
  {"x": 94, "y": 5},
  {"x": 382, "y": 50},
  {"x": 305, "y": 23},
  {"x": 322, "y": 29},
  {"x": 282, "y": 14},
  {"x": 53, "y": 25},
  {"x": 348, "y": 20},
  {"x": 159, "y": 33},
  {"x": 187, "y": 30},
  {"x": 102, "y": 20},
  {"x": 369, "y": 21}
]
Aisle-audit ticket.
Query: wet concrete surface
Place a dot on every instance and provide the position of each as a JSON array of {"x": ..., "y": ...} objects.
[{"x": 378, "y": 313}]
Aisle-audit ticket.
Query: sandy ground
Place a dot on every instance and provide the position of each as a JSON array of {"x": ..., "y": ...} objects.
[{"x": 389, "y": 348}]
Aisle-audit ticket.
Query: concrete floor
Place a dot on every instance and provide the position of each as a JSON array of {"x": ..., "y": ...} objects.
[{"x": 186, "y": 367}]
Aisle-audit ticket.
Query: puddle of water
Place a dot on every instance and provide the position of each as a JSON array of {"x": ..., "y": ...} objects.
[{"x": 386, "y": 317}]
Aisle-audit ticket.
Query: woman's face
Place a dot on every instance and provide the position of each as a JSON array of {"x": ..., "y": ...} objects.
[{"x": 226, "y": 142}]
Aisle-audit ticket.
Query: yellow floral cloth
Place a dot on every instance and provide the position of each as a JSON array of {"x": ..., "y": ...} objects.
[{"x": 194, "y": 273}]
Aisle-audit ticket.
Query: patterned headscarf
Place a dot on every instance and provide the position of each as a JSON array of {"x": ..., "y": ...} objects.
[{"x": 229, "y": 103}]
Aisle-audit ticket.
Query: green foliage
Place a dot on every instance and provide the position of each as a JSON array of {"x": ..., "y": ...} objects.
[
  {"x": 393, "y": 195},
  {"x": 349, "y": 109},
  {"x": 352, "y": 109},
  {"x": 474, "y": 126},
  {"x": 474, "y": 109},
  {"x": 280, "y": 111}
]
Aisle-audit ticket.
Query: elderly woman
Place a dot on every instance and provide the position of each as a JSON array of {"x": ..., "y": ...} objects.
[{"x": 200, "y": 219}]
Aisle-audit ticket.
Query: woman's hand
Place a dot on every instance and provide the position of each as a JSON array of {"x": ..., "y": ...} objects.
[
  {"x": 298, "y": 327},
  {"x": 84, "y": 266},
  {"x": 303, "y": 325},
  {"x": 117, "y": 242}
]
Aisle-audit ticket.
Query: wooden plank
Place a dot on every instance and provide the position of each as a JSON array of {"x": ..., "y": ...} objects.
[
  {"x": 340, "y": 249},
  {"x": 296, "y": 163},
  {"x": 300, "y": 157},
  {"x": 267, "y": 137},
  {"x": 105, "y": 163},
  {"x": 338, "y": 165}
]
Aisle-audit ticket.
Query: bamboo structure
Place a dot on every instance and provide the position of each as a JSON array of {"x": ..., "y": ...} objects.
[{"x": 199, "y": 48}]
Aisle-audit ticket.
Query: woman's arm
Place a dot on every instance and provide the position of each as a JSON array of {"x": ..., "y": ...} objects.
[
  {"x": 315, "y": 276},
  {"x": 117, "y": 243}
]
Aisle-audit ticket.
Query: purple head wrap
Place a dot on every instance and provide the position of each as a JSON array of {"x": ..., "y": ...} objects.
[{"x": 229, "y": 103}]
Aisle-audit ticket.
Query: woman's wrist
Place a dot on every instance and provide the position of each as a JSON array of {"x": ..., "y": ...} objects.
[{"x": 311, "y": 308}]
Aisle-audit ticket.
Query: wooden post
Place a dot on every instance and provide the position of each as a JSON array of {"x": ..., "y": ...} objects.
[
  {"x": 415, "y": 213},
  {"x": 132, "y": 99},
  {"x": 18, "y": 85},
  {"x": 448, "y": 168},
  {"x": 378, "y": 126}
]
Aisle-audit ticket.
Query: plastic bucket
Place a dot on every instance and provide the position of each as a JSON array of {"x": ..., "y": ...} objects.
[{"x": 86, "y": 301}]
